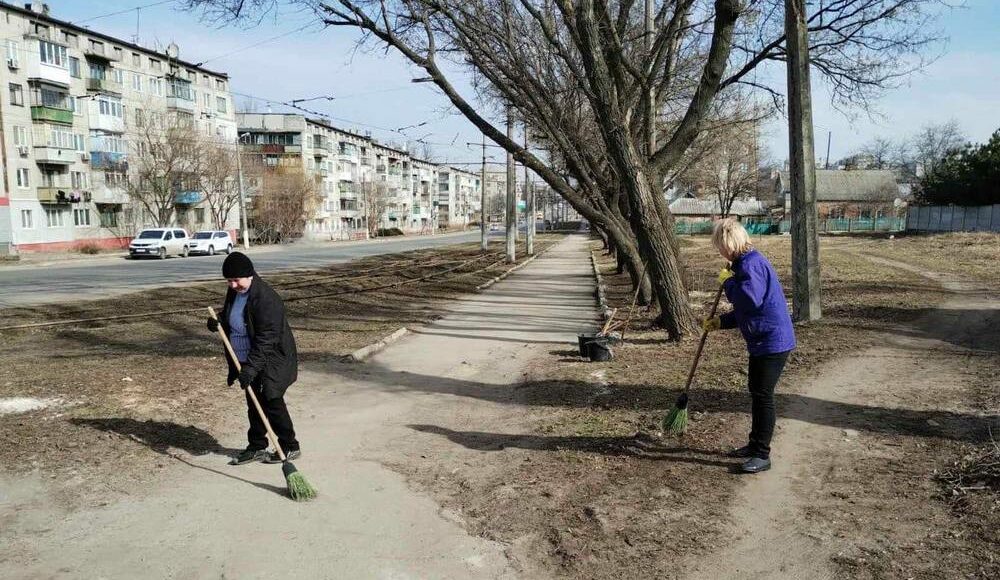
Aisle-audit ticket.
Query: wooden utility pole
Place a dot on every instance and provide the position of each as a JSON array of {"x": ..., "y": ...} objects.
[
  {"x": 483, "y": 231},
  {"x": 511, "y": 198},
  {"x": 802, "y": 156}
]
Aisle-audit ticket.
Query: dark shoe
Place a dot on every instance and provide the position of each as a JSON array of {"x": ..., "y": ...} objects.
[
  {"x": 249, "y": 456},
  {"x": 742, "y": 452},
  {"x": 273, "y": 456},
  {"x": 755, "y": 465}
]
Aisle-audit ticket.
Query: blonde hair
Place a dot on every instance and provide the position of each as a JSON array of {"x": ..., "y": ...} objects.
[{"x": 729, "y": 237}]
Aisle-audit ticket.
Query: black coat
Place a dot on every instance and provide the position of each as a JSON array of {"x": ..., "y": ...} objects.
[{"x": 272, "y": 358}]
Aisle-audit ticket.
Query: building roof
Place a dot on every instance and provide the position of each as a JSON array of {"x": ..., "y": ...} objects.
[
  {"x": 710, "y": 207},
  {"x": 80, "y": 29},
  {"x": 853, "y": 185}
]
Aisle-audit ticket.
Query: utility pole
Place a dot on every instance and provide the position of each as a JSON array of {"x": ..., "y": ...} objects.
[
  {"x": 511, "y": 198},
  {"x": 829, "y": 138},
  {"x": 243, "y": 195},
  {"x": 529, "y": 202},
  {"x": 484, "y": 232},
  {"x": 802, "y": 156}
]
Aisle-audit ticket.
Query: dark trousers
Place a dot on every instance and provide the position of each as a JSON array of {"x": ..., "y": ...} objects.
[
  {"x": 277, "y": 415},
  {"x": 762, "y": 376}
]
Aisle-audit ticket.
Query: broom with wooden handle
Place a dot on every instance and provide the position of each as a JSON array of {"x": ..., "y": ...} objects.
[
  {"x": 298, "y": 487},
  {"x": 676, "y": 420}
]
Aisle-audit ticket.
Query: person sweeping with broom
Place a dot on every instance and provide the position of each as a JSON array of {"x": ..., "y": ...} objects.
[
  {"x": 761, "y": 314},
  {"x": 260, "y": 350}
]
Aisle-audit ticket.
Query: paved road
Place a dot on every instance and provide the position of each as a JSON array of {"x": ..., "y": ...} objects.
[{"x": 98, "y": 278}]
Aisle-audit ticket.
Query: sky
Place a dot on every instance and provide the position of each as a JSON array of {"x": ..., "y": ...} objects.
[{"x": 289, "y": 57}]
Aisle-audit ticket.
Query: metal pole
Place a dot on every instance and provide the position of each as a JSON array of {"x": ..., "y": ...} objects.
[
  {"x": 829, "y": 138},
  {"x": 483, "y": 232},
  {"x": 243, "y": 196},
  {"x": 511, "y": 198},
  {"x": 805, "y": 238}
]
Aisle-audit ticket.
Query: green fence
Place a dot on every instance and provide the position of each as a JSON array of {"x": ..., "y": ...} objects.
[{"x": 839, "y": 225}]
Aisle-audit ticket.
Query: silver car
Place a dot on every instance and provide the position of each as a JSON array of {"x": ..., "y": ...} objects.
[{"x": 210, "y": 242}]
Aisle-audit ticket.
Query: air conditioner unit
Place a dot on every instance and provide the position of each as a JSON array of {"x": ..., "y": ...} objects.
[
  {"x": 87, "y": 196},
  {"x": 12, "y": 63},
  {"x": 22, "y": 150}
]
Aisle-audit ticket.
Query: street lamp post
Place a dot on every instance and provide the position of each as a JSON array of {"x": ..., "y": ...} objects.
[{"x": 243, "y": 196}]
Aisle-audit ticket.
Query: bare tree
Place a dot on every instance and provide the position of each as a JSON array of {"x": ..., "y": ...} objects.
[
  {"x": 218, "y": 178},
  {"x": 879, "y": 153},
  {"x": 376, "y": 198},
  {"x": 935, "y": 141},
  {"x": 584, "y": 75},
  {"x": 164, "y": 162},
  {"x": 283, "y": 198}
]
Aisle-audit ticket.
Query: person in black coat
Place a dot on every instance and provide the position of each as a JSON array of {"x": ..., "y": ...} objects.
[{"x": 253, "y": 318}]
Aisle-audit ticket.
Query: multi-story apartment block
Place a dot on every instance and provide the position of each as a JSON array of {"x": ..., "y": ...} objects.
[
  {"x": 72, "y": 100},
  {"x": 458, "y": 196},
  {"x": 423, "y": 216}
]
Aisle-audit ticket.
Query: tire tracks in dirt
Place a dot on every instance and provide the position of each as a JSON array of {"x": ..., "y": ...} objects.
[{"x": 773, "y": 535}]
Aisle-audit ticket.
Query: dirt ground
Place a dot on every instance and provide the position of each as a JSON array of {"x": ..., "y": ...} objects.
[
  {"x": 162, "y": 378},
  {"x": 593, "y": 491}
]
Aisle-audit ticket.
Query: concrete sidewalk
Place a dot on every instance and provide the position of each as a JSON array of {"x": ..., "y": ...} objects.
[{"x": 218, "y": 521}]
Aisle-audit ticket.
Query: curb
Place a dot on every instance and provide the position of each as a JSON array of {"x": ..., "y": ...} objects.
[
  {"x": 364, "y": 352},
  {"x": 599, "y": 294}
]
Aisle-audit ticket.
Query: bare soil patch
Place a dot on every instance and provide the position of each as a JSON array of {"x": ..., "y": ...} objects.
[
  {"x": 587, "y": 488},
  {"x": 128, "y": 392}
]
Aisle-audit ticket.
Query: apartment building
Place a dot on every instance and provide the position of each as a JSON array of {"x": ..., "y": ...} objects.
[
  {"x": 424, "y": 213},
  {"x": 72, "y": 99},
  {"x": 458, "y": 196}
]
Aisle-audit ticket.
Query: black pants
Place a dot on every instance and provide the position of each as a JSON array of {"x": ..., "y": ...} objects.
[
  {"x": 277, "y": 415},
  {"x": 762, "y": 376}
]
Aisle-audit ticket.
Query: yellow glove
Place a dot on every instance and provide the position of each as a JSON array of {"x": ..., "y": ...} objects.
[
  {"x": 711, "y": 324},
  {"x": 724, "y": 274}
]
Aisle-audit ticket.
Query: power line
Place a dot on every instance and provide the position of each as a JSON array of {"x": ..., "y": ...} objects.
[
  {"x": 127, "y": 10},
  {"x": 256, "y": 44}
]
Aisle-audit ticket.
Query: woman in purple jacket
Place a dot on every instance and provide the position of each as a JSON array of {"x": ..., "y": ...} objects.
[{"x": 761, "y": 314}]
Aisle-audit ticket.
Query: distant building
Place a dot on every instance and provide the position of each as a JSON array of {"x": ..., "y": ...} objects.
[
  {"x": 846, "y": 194},
  {"x": 706, "y": 209}
]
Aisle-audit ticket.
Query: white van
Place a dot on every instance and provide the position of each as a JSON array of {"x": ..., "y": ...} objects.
[{"x": 159, "y": 242}]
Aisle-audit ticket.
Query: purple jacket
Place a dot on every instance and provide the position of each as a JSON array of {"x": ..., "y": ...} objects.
[{"x": 759, "y": 307}]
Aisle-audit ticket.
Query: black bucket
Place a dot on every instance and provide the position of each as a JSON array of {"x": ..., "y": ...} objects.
[
  {"x": 599, "y": 350},
  {"x": 584, "y": 339}
]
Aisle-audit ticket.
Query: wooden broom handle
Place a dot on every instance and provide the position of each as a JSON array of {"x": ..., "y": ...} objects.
[
  {"x": 704, "y": 337},
  {"x": 249, "y": 389}
]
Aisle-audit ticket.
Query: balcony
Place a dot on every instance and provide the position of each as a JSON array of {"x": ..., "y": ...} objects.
[
  {"x": 54, "y": 194},
  {"x": 108, "y": 160},
  {"x": 108, "y": 195},
  {"x": 104, "y": 86},
  {"x": 272, "y": 148},
  {"x": 51, "y": 114},
  {"x": 98, "y": 52},
  {"x": 180, "y": 104},
  {"x": 321, "y": 151},
  {"x": 38, "y": 70},
  {"x": 188, "y": 197},
  {"x": 55, "y": 155}
]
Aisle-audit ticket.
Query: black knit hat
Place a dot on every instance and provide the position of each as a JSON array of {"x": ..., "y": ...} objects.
[{"x": 237, "y": 265}]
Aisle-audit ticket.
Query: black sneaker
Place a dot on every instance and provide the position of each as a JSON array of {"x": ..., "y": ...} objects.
[
  {"x": 249, "y": 455},
  {"x": 742, "y": 452},
  {"x": 755, "y": 465},
  {"x": 272, "y": 457}
]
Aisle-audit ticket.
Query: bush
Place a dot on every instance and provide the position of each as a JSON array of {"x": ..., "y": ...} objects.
[
  {"x": 386, "y": 232},
  {"x": 89, "y": 249}
]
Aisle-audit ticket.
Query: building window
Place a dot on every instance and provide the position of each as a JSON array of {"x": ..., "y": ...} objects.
[
  {"x": 199, "y": 215},
  {"x": 80, "y": 142},
  {"x": 54, "y": 218},
  {"x": 20, "y": 136},
  {"x": 74, "y": 67},
  {"x": 78, "y": 179},
  {"x": 220, "y": 85},
  {"x": 220, "y": 103},
  {"x": 119, "y": 75},
  {"x": 13, "y": 53},
  {"x": 22, "y": 178},
  {"x": 110, "y": 107},
  {"x": 26, "y": 221},
  {"x": 52, "y": 54},
  {"x": 207, "y": 99},
  {"x": 154, "y": 64},
  {"x": 115, "y": 179},
  {"x": 96, "y": 47},
  {"x": 69, "y": 38},
  {"x": 16, "y": 95},
  {"x": 118, "y": 53},
  {"x": 108, "y": 216},
  {"x": 136, "y": 59},
  {"x": 156, "y": 86},
  {"x": 137, "y": 82},
  {"x": 81, "y": 217}
]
